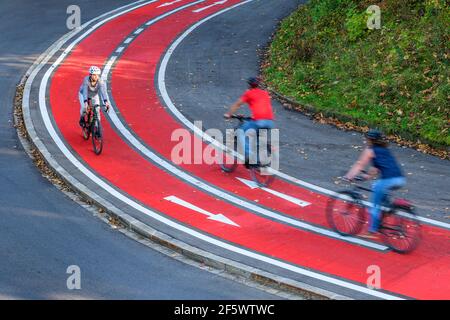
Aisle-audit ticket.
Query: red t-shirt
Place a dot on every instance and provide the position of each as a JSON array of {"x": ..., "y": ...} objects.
[{"x": 259, "y": 103}]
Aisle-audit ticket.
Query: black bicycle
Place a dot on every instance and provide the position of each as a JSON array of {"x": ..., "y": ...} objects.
[
  {"x": 399, "y": 226},
  {"x": 92, "y": 127},
  {"x": 260, "y": 170}
]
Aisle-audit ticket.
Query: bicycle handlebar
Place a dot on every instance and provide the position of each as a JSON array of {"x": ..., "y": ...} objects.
[
  {"x": 240, "y": 117},
  {"x": 357, "y": 178}
]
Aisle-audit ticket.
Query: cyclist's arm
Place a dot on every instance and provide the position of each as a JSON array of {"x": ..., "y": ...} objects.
[
  {"x": 373, "y": 172},
  {"x": 84, "y": 90},
  {"x": 102, "y": 90},
  {"x": 364, "y": 159},
  {"x": 234, "y": 108}
]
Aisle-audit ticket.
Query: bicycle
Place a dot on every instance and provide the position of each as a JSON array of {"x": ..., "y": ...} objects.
[
  {"x": 400, "y": 231},
  {"x": 92, "y": 127},
  {"x": 259, "y": 172}
]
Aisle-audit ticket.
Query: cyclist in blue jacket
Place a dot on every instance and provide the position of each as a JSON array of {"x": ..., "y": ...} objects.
[{"x": 384, "y": 163}]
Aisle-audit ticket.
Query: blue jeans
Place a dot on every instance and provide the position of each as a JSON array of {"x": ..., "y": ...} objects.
[
  {"x": 380, "y": 189},
  {"x": 249, "y": 125}
]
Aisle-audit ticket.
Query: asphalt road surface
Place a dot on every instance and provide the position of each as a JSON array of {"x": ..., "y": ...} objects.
[{"x": 42, "y": 231}]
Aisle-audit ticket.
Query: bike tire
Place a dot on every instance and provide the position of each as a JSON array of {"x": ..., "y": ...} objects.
[
  {"x": 97, "y": 137},
  {"x": 401, "y": 233},
  {"x": 261, "y": 173},
  {"x": 261, "y": 176},
  {"x": 345, "y": 208}
]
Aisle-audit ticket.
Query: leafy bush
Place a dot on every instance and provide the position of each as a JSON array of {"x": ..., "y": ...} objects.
[
  {"x": 356, "y": 24},
  {"x": 397, "y": 77}
]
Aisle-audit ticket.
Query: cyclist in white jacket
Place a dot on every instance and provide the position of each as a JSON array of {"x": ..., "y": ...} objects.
[{"x": 92, "y": 88}]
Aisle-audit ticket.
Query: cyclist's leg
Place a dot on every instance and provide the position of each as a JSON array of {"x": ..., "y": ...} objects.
[
  {"x": 98, "y": 111},
  {"x": 265, "y": 136},
  {"x": 264, "y": 124},
  {"x": 244, "y": 133},
  {"x": 379, "y": 191},
  {"x": 392, "y": 183},
  {"x": 95, "y": 101},
  {"x": 82, "y": 108}
]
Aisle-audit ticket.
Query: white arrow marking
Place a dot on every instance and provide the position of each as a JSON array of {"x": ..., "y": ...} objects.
[
  {"x": 169, "y": 3},
  {"x": 211, "y": 5},
  {"x": 216, "y": 217},
  {"x": 254, "y": 185}
]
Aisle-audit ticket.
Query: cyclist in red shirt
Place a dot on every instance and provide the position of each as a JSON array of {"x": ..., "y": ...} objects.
[{"x": 260, "y": 106}]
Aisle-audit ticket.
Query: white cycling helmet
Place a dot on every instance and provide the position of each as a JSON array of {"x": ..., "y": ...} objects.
[{"x": 95, "y": 70}]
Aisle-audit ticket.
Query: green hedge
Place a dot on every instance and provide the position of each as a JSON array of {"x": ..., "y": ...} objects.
[{"x": 395, "y": 78}]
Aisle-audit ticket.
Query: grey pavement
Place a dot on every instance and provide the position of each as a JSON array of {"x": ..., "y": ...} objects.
[{"x": 42, "y": 231}]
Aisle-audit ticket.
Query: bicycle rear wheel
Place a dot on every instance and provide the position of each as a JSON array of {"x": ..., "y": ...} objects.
[
  {"x": 97, "y": 137},
  {"x": 401, "y": 232},
  {"x": 344, "y": 215},
  {"x": 261, "y": 173}
]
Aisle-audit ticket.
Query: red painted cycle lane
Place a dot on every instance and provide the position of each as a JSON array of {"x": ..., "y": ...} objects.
[
  {"x": 135, "y": 95},
  {"x": 143, "y": 181}
]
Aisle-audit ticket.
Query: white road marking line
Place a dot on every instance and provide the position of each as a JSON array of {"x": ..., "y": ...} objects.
[
  {"x": 120, "y": 49},
  {"x": 218, "y": 144},
  {"x": 172, "y": 12},
  {"x": 216, "y": 217},
  {"x": 119, "y": 196},
  {"x": 138, "y": 31},
  {"x": 210, "y": 6},
  {"x": 108, "y": 67},
  {"x": 128, "y": 40},
  {"x": 168, "y": 3},
  {"x": 254, "y": 185}
]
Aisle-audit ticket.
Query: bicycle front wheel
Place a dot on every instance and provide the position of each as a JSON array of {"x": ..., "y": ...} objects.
[
  {"x": 97, "y": 137},
  {"x": 401, "y": 231},
  {"x": 344, "y": 215}
]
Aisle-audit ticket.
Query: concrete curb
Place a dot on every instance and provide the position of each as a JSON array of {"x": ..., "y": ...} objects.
[{"x": 146, "y": 231}]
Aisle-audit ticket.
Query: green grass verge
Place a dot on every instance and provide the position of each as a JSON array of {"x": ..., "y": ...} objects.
[{"x": 395, "y": 78}]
